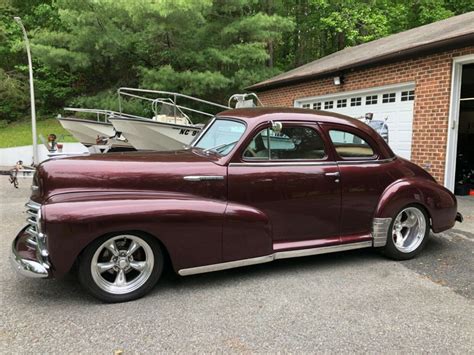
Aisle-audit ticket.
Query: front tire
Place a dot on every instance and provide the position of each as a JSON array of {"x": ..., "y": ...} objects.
[
  {"x": 121, "y": 267},
  {"x": 407, "y": 234}
]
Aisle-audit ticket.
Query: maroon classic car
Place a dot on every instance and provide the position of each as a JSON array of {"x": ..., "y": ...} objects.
[{"x": 256, "y": 185}]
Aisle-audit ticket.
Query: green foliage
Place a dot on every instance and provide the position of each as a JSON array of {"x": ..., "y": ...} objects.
[
  {"x": 13, "y": 101},
  {"x": 84, "y": 50},
  {"x": 108, "y": 100}
]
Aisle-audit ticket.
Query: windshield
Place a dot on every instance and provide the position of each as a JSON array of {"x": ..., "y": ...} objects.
[{"x": 221, "y": 136}]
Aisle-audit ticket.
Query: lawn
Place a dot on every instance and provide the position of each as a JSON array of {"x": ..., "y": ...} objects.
[{"x": 18, "y": 134}]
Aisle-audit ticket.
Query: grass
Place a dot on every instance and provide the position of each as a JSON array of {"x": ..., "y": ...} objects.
[{"x": 19, "y": 133}]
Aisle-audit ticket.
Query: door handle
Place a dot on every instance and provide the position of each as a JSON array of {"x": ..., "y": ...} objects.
[{"x": 334, "y": 175}]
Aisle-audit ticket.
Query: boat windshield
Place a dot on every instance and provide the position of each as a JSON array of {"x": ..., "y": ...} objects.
[{"x": 221, "y": 136}]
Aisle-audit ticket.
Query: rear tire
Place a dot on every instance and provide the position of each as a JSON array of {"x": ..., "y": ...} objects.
[
  {"x": 121, "y": 267},
  {"x": 407, "y": 234}
]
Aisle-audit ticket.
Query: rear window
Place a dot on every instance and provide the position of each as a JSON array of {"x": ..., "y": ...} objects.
[{"x": 350, "y": 145}]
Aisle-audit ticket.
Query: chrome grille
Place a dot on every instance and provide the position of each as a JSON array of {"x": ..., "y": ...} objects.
[{"x": 37, "y": 238}]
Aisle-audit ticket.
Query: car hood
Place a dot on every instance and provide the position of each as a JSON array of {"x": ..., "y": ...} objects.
[{"x": 128, "y": 172}]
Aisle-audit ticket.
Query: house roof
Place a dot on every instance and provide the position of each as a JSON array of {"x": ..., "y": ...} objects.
[{"x": 457, "y": 30}]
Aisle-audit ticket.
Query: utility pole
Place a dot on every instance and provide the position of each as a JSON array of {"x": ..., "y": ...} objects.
[{"x": 32, "y": 93}]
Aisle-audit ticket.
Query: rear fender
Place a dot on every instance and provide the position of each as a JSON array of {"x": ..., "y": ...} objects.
[{"x": 439, "y": 202}]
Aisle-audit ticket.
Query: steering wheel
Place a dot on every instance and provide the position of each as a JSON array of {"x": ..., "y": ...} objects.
[{"x": 251, "y": 151}]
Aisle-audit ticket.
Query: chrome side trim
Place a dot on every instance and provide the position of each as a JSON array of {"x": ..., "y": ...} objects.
[
  {"x": 296, "y": 163},
  {"x": 368, "y": 161},
  {"x": 225, "y": 266},
  {"x": 321, "y": 250},
  {"x": 274, "y": 256},
  {"x": 203, "y": 177},
  {"x": 312, "y": 163},
  {"x": 380, "y": 228}
]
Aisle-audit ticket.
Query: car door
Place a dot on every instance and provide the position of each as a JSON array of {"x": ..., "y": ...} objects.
[
  {"x": 290, "y": 178},
  {"x": 363, "y": 178}
]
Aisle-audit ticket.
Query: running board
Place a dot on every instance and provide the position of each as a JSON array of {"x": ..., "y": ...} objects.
[{"x": 274, "y": 256}]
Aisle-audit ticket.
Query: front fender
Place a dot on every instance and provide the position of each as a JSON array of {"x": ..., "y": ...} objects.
[
  {"x": 190, "y": 228},
  {"x": 438, "y": 201}
]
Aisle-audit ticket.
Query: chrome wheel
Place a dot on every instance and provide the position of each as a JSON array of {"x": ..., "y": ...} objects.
[
  {"x": 122, "y": 264},
  {"x": 409, "y": 229}
]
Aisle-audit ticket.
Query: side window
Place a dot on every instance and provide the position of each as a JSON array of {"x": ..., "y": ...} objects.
[
  {"x": 349, "y": 145},
  {"x": 292, "y": 143},
  {"x": 258, "y": 148}
]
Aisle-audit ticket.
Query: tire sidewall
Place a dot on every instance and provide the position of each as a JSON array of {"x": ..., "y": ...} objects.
[
  {"x": 391, "y": 250},
  {"x": 85, "y": 274}
]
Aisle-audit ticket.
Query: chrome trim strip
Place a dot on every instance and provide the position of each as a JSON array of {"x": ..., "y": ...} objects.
[
  {"x": 351, "y": 162},
  {"x": 380, "y": 228},
  {"x": 203, "y": 131},
  {"x": 203, "y": 177},
  {"x": 32, "y": 232},
  {"x": 274, "y": 256},
  {"x": 33, "y": 205},
  {"x": 321, "y": 250},
  {"x": 225, "y": 266},
  {"x": 312, "y": 163},
  {"x": 270, "y": 163}
]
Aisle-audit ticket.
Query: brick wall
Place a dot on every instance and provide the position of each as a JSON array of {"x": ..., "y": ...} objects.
[{"x": 432, "y": 77}]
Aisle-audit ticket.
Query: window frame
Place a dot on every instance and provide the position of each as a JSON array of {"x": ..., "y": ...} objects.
[
  {"x": 356, "y": 101},
  {"x": 310, "y": 125},
  {"x": 335, "y": 127},
  {"x": 201, "y": 134},
  {"x": 389, "y": 97}
]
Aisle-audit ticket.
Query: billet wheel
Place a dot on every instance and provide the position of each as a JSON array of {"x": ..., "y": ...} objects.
[
  {"x": 408, "y": 233},
  {"x": 121, "y": 267}
]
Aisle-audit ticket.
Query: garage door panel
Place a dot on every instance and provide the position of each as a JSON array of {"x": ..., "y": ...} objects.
[{"x": 399, "y": 114}]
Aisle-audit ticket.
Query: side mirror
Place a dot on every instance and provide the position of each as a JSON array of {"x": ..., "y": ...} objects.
[{"x": 276, "y": 126}]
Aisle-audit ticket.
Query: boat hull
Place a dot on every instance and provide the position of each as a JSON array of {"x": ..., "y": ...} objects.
[
  {"x": 86, "y": 131},
  {"x": 152, "y": 135}
]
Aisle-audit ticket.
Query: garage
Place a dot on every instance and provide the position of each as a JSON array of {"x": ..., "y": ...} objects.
[
  {"x": 414, "y": 79},
  {"x": 392, "y": 104}
]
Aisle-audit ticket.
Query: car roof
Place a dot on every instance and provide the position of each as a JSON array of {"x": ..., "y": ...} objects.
[{"x": 259, "y": 114}]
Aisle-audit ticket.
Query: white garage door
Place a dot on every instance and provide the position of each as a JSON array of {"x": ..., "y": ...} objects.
[{"x": 392, "y": 102}]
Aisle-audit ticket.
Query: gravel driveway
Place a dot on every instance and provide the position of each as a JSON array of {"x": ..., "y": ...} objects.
[{"x": 355, "y": 301}]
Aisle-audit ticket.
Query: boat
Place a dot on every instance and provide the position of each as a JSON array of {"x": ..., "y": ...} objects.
[
  {"x": 170, "y": 128},
  {"x": 92, "y": 132}
]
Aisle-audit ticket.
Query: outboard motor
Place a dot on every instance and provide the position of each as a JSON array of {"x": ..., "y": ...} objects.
[{"x": 245, "y": 100}]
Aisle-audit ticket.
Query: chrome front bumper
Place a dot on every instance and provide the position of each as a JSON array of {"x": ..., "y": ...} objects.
[
  {"x": 21, "y": 258},
  {"x": 29, "y": 254}
]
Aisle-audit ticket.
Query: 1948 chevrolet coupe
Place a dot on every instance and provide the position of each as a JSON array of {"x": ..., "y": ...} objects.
[{"x": 256, "y": 185}]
